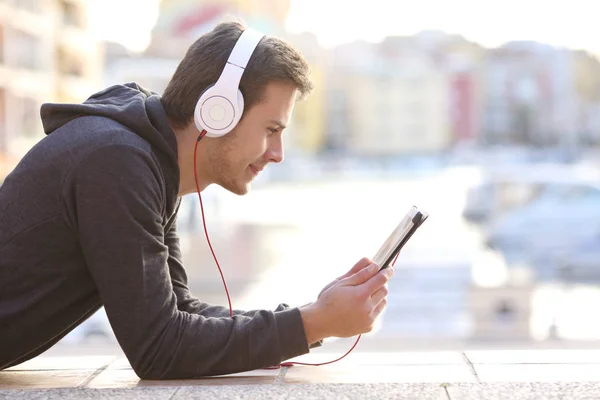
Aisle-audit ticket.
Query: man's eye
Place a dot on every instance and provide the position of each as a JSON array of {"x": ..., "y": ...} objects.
[{"x": 273, "y": 131}]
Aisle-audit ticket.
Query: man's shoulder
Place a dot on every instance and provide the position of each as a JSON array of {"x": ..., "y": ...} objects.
[
  {"x": 97, "y": 136},
  {"x": 119, "y": 167},
  {"x": 103, "y": 131}
]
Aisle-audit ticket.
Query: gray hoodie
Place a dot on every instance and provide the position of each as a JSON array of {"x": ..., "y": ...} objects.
[{"x": 88, "y": 219}]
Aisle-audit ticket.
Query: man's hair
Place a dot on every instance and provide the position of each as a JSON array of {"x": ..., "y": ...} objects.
[{"x": 273, "y": 60}]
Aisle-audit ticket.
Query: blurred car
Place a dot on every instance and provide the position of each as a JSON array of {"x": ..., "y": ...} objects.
[
  {"x": 580, "y": 264},
  {"x": 562, "y": 216},
  {"x": 503, "y": 189},
  {"x": 480, "y": 202}
]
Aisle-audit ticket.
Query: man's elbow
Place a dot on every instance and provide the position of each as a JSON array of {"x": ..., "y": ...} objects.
[
  {"x": 145, "y": 372},
  {"x": 164, "y": 371},
  {"x": 151, "y": 367},
  {"x": 156, "y": 374}
]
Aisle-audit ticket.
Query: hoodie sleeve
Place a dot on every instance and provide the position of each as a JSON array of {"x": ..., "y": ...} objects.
[
  {"x": 185, "y": 300},
  {"x": 118, "y": 199}
]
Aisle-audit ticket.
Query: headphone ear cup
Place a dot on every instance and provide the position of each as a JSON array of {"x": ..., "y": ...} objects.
[{"x": 217, "y": 113}]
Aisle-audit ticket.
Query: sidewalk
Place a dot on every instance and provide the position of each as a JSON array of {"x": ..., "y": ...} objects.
[{"x": 522, "y": 374}]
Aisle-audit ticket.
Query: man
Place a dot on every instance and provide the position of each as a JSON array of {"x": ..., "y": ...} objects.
[{"x": 89, "y": 220}]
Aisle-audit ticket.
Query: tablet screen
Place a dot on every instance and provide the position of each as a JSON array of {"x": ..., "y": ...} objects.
[{"x": 409, "y": 224}]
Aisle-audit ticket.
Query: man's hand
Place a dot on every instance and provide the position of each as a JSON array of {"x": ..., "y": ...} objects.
[
  {"x": 362, "y": 263},
  {"x": 349, "y": 305}
]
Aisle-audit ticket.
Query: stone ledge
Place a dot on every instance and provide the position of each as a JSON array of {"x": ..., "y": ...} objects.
[
  {"x": 400, "y": 391},
  {"x": 569, "y": 374}
]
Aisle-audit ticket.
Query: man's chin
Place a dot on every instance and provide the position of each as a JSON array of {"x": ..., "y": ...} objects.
[
  {"x": 243, "y": 191},
  {"x": 239, "y": 189}
]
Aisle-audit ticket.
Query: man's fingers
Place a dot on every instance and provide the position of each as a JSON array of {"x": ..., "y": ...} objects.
[
  {"x": 361, "y": 264},
  {"x": 377, "y": 281},
  {"x": 362, "y": 276},
  {"x": 379, "y": 308},
  {"x": 379, "y": 294}
]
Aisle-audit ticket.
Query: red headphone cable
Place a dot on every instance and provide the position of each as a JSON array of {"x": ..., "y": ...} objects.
[{"x": 204, "y": 223}]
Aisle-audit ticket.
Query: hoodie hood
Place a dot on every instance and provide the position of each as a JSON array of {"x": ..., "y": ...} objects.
[{"x": 132, "y": 106}]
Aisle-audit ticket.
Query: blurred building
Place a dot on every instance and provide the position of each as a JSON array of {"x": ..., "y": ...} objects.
[
  {"x": 586, "y": 77},
  {"x": 460, "y": 60},
  {"x": 339, "y": 109},
  {"x": 387, "y": 107},
  {"x": 306, "y": 133},
  {"x": 419, "y": 94},
  {"x": 47, "y": 54},
  {"x": 465, "y": 100},
  {"x": 530, "y": 95}
]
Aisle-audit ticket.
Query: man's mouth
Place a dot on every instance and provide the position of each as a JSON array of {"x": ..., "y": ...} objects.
[{"x": 254, "y": 169}]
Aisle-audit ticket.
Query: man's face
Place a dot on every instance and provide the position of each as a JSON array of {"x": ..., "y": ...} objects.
[{"x": 240, "y": 155}]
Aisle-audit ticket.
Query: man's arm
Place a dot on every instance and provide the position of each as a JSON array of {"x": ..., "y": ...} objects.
[
  {"x": 189, "y": 303},
  {"x": 185, "y": 300},
  {"x": 118, "y": 197}
]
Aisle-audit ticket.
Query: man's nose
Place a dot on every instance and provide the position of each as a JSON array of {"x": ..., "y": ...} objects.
[{"x": 275, "y": 152}]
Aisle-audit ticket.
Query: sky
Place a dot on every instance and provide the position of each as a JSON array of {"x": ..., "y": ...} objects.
[
  {"x": 128, "y": 22},
  {"x": 569, "y": 23}
]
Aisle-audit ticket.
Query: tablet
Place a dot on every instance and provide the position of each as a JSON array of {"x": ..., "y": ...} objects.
[{"x": 399, "y": 237}]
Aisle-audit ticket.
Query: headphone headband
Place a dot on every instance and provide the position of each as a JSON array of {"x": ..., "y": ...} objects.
[{"x": 244, "y": 47}]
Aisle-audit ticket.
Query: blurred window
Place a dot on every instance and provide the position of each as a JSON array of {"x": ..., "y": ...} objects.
[
  {"x": 1, "y": 44},
  {"x": 28, "y": 50},
  {"x": 69, "y": 64},
  {"x": 29, "y": 5},
  {"x": 71, "y": 14}
]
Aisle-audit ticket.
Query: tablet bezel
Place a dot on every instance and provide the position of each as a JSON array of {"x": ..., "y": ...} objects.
[{"x": 416, "y": 220}]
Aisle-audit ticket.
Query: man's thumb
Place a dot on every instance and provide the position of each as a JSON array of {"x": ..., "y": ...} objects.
[{"x": 362, "y": 276}]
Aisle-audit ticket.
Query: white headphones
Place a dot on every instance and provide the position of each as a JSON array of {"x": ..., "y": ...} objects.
[{"x": 220, "y": 107}]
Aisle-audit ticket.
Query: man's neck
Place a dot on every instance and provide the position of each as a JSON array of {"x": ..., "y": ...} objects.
[{"x": 187, "y": 139}]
